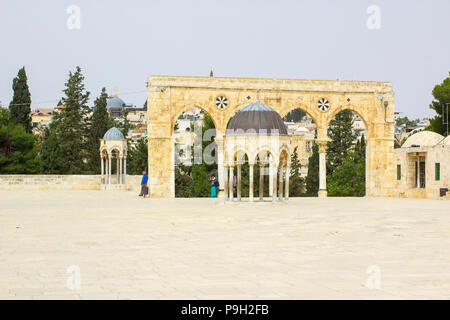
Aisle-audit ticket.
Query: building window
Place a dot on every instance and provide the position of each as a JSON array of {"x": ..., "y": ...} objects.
[
  {"x": 437, "y": 171},
  {"x": 308, "y": 146},
  {"x": 399, "y": 172}
]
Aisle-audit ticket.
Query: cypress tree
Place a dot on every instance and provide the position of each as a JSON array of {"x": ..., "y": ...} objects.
[
  {"x": 99, "y": 123},
  {"x": 312, "y": 179},
  {"x": 296, "y": 182},
  {"x": 68, "y": 130},
  {"x": 342, "y": 135},
  {"x": 20, "y": 105}
]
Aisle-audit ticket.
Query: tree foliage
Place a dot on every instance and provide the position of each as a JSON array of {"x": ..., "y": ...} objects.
[
  {"x": 20, "y": 105},
  {"x": 341, "y": 136},
  {"x": 296, "y": 182},
  {"x": 98, "y": 124},
  {"x": 67, "y": 130},
  {"x": 312, "y": 179},
  {"x": 295, "y": 115},
  {"x": 349, "y": 179},
  {"x": 441, "y": 94},
  {"x": 137, "y": 157},
  {"x": 18, "y": 151}
]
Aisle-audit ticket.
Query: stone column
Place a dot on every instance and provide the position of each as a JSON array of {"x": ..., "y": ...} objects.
[
  {"x": 124, "y": 169},
  {"x": 239, "y": 184},
  {"x": 220, "y": 166},
  {"x": 225, "y": 184},
  {"x": 286, "y": 187},
  {"x": 103, "y": 169},
  {"x": 121, "y": 172},
  {"x": 261, "y": 181},
  {"x": 230, "y": 183},
  {"x": 270, "y": 179},
  {"x": 250, "y": 187},
  {"x": 280, "y": 184},
  {"x": 322, "y": 168},
  {"x": 109, "y": 169},
  {"x": 274, "y": 183}
]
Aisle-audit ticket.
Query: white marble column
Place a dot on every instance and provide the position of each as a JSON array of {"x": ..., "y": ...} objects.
[
  {"x": 239, "y": 182},
  {"x": 250, "y": 187},
  {"x": 220, "y": 164},
  {"x": 286, "y": 187},
  {"x": 280, "y": 183},
  {"x": 322, "y": 169},
  {"x": 225, "y": 184},
  {"x": 274, "y": 183},
  {"x": 270, "y": 179},
  {"x": 124, "y": 169},
  {"x": 261, "y": 181},
  {"x": 109, "y": 170},
  {"x": 103, "y": 168},
  {"x": 121, "y": 172},
  {"x": 230, "y": 183}
]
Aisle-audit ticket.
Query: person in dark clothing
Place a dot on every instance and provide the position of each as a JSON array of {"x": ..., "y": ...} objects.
[
  {"x": 214, "y": 186},
  {"x": 144, "y": 188}
]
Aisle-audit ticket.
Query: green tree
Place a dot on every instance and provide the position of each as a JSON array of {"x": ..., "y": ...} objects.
[
  {"x": 137, "y": 157},
  {"x": 68, "y": 129},
  {"x": 125, "y": 125},
  {"x": 342, "y": 135},
  {"x": 312, "y": 179},
  {"x": 296, "y": 182},
  {"x": 295, "y": 115},
  {"x": 441, "y": 94},
  {"x": 406, "y": 121},
  {"x": 20, "y": 105},
  {"x": 348, "y": 180},
  {"x": 99, "y": 123},
  {"x": 18, "y": 151}
]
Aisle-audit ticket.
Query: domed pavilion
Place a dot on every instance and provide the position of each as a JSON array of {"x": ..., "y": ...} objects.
[
  {"x": 113, "y": 145},
  {"x": 257, "y": 133}
]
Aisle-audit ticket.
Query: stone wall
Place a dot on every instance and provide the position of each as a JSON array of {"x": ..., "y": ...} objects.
[{"x": 61, "y": 182}]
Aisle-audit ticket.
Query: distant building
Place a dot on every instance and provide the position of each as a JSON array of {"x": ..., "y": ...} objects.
[{"x": 423, "y": 166}]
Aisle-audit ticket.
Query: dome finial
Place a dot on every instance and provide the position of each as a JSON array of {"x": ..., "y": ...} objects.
[{"x": 115, "y": 91}]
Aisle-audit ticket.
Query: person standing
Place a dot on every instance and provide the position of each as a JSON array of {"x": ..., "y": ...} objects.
[
  {"x": 214, "y": 186},
  {"x": 144, "y": 188}
]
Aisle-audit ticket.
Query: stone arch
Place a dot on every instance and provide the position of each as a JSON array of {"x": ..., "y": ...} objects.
[
  {"x": 357, "y": 110},
  {"x": 179, "y": 110},
  {"x": 168, "y": 96}
]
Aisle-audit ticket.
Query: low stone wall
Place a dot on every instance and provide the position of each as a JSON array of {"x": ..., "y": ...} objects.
[{"x": 62, "y": 182}]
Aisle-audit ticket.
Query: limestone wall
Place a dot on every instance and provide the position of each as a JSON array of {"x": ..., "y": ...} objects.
[{"x": 60, "y": 182}]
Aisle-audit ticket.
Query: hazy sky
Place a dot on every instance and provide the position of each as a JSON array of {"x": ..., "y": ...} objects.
[{"x": 121, "y": 43}]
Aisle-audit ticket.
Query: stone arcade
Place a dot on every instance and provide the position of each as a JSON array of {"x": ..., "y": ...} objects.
[{"x": 221, "y": 98}]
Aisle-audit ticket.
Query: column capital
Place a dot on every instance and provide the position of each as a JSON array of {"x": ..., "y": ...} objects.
[{"x": 322, "y": 143}]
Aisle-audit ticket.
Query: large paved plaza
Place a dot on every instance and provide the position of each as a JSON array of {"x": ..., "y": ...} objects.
[{"x": 131, "y": 248}]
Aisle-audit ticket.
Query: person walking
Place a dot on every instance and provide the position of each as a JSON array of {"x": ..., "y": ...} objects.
[
  {"x": 214, "y": 186},
  {"x": 144, "y": 188}
]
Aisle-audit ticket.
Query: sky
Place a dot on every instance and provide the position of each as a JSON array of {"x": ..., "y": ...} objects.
[{"x": 119, "y": 44}]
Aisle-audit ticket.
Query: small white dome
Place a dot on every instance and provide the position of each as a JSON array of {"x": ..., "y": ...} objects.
[{"x": 423, "y": 138}]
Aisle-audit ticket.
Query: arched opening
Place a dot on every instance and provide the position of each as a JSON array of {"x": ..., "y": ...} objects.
[
  {"x": 195, "y": 153},
  {"x": 346, "y": 154},
  {"x": 303, "y": 130}
]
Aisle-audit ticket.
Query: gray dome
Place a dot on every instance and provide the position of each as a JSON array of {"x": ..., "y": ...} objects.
[
  {"x": 115, "y": 103},
  {"x": 258, "y": 117},
  {"x": 113, "y": 134}
]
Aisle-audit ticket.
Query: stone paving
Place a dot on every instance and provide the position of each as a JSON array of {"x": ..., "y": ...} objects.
[{"x": 131, "y": 248}]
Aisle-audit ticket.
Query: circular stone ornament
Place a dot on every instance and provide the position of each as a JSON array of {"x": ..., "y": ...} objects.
[
  {"x": 221, "y": 102},
  {"x": 323, "y": 104}
]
